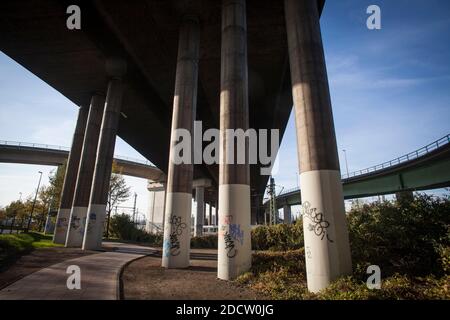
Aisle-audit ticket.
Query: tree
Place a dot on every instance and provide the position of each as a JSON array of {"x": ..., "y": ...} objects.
[
  {"x": 16, "y": 211},
  {"x": 118, "y": 192},
  {"x": 2, "y": 214},
  {"x": 53, "y": 191}
]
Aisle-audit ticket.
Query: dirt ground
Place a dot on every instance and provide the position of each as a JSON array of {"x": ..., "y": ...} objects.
[
  {"x": 145, "y": 279},
  {"x": 36, "y": 260}
]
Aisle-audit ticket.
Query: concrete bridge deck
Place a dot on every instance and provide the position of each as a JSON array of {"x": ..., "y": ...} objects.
[
  {"x": 423, "y": 169},
  {"x": 42, "y": 154}
]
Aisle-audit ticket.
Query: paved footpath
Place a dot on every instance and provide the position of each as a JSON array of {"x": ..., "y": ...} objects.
[{"x": 99, "y": 277}]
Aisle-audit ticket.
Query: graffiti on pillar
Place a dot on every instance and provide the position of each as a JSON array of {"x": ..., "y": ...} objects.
[
  {"x": 308, "y": 253},
  {"x": 61, "y": 224},
  {"x": 236, "y": 233},
  {"x": 75, "y": 223},
  {"x": 229, "y": 245},
  {"x": 83, "y": 226},
  {"x": 92, "y": 221},
  {"x": 317, "y": 222},
  {"x": 228, "y": 219},
  {"x": 177, "y": 230},
  {"x": 231, "y": 232}
]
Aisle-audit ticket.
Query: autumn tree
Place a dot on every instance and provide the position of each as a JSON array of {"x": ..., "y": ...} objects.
[{"x": 118, "y": 192}]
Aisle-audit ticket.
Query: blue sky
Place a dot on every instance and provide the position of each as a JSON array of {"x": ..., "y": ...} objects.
[{"x": 389, "y": 89}]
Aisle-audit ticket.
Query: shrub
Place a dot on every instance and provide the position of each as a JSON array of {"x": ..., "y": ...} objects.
[
  {"x": 278, "y": 237},
  {"x": 204, "y": 242},
  {"x": 123, "y": 228},
  {"x": 409, "y": 241},
  {"x": 406, "y": 237}
]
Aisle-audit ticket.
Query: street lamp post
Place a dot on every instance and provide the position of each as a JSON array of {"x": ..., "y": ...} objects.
[
  {"x": 34, "y": 202},
  {"x": 134, "y": 208},
  {"x": 346, "y": 163}
]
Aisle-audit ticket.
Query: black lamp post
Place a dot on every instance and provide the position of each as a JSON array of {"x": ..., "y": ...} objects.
[{"x": 34, "y": 202}]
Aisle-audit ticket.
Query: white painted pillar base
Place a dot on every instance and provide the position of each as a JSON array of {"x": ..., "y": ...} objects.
[
  {"x": 327, "y": 250},
  {"x": 177, "y": 230},
  {"x": 94, "y": 230},
  {"x": 62, "y": 223},
  {"x": 75, "y": 232},
  {"x": 234, "y": 250}
]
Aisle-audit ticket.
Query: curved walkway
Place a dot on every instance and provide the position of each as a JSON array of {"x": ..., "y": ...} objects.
[{"x": 99, "y": 277}]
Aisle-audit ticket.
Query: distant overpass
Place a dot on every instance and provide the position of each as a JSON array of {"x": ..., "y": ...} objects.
[
  {"x": 50, "y": 155},
  {"x": 423, "y": 169}
]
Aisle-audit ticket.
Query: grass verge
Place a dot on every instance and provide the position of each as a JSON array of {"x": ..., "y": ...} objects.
[{"x": 12, "y": 246}]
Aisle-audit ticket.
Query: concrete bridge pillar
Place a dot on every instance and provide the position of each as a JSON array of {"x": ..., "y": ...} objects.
[
  {"x": 200, "y": 212},
  {"x": 49, "y": 227},
  {"x": 210, "y": 215},
  {"x": 234, "y": 249},
  {"x": 80, "y": 203},
  {"x": 177, "y": 226},
  {"x": 155, "y": 218},
  {"x": 216, "y": 213},
  {"x": 404, "y": 196},
  {"x": 287, "y": 214},
  {"x": 103, "y": 164},
  {"x": 62, "y": 218},
  {"x": 325, "y": 227}
]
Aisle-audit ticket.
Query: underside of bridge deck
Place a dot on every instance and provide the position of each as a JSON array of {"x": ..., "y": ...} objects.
[{"x": 145, "y": 33}]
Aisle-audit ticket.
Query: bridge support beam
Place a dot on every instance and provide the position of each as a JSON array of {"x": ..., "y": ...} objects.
[
  {"x": 103, "y": 165},
  {"x": 287, "y": 214},
  {"x": 327, "y": 249},
  {"x": 80, "y": 203},
  {"x": 234, "y": 249},
  {"x": 177, "y": 226},
  {"x": 62, "y": 218},
  {"x": 200, "y": 212}
]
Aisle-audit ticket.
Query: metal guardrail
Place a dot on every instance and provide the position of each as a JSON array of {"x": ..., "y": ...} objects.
[
  {"x": 33, "y": 145},
  {"x": 405, "y": 158},
  {"x": 61, "y": 148}
]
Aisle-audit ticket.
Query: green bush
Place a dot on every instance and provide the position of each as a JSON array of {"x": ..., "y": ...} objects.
[
  {"x": 279, "y": 237},
  {"x": 444, "y": 252},
  {"x": 407, "y": 237},
  {"x": 282, "y": 275},
  {"x": 409, "y": 241},
  {"x": 123, "y": 228},
  {"x": 204, "y": 242}
]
